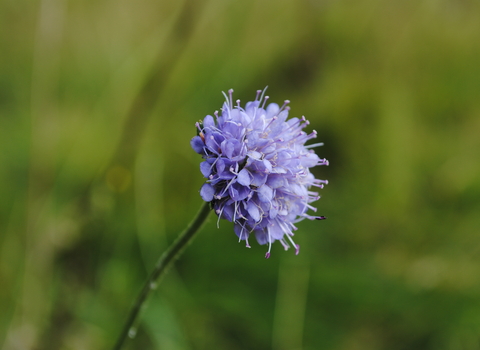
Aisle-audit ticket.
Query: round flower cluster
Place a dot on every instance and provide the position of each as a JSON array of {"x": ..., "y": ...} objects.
[{"x": 257, "y": 169}]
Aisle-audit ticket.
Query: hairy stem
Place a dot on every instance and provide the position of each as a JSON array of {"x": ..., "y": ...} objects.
[{"x": 165, "y": 261}]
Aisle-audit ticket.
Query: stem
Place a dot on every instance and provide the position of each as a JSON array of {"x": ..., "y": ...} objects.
[{"x": 165, "y": 261}]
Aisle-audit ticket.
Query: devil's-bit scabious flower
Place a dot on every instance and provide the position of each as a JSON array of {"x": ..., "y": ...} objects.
[{"x": 257, "y": 169}]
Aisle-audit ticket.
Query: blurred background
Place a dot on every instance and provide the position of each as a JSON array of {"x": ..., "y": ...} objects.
[{"x": 98, "y": 101}]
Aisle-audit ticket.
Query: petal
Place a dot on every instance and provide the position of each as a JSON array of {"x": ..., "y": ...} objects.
[
  {"x": 272, "y": 110},
  {"x": 276, "y": 230},
  {"x": 197, "y": 144},
  {"x": 244, "y": 177},
  {"x": 265, "y": 193},
  {"x": 206, "y": 192},
  {"x": 259, "y": 179},
  {"x": 206, "y": 168},
  {"x": 228, "y": 148},
  {"x": 253, "y": 211},
  {"x": 213, "y": 141},
  {"x": 220, "y": 166},
  {"x": 268, "y": 166},
  {"x": 254, "y": 155},
  {"x": 309, "y": 160},
  {"x": 278, "y": 170},
  {"x": 208, "y": 121},
  {"x": 227, "y": 212},
  {"x": 273, "y": 212},
  {"x": 275, "y": 181},
  {"x": 238, "y": 192},
  {"x": 261, "y": 236},
  {"x": 283, "y": 115},
  {"x": 251, "y": 107},
  {"x": 240, "y": 231}
]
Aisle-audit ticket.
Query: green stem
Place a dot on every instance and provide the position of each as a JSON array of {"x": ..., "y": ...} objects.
[{"x": 161, "y": 268}]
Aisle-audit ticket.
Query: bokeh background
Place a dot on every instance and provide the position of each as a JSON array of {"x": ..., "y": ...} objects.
[{"x": 98, "y": 101}]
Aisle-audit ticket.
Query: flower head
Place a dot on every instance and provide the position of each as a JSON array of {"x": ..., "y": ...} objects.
[{"x": 257, "y": 169}]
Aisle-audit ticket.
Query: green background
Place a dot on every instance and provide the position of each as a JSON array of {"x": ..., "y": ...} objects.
[{"x": 98, "y": 101}]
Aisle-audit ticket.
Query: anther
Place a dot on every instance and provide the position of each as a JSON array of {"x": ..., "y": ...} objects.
[{"x": 265, "y": 101}]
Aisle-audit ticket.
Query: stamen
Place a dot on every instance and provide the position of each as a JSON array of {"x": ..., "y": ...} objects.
[
  {"x": 285, "y": 103},
  {"x": 297, "y": 247},
  {"x": 315, "y": 145},
  {"x": 219, "y": 213},
  {"x": 293, "y": 226},
  {"x": 226, "y": 187},
  {"x": 226, "y": 97},
  {"x": 241, "y": 233},
  {"x": 269, "y": 243},
  {"x": 230, "y": 92},
  {"x": 271, "y": 121},
  {"x": 263, "y": 93},
  {"x": 265, "y": 101},
  {"x": 323, "y": 161},
  {"x": 258, "y": 94},
  {"x": 235, "y": 211},
  {"x": 284, "y": 244},
  {"x": 311, "y": 207},
  {"x": 296, "y": 124},
  {"x": 246, "y": 243}
]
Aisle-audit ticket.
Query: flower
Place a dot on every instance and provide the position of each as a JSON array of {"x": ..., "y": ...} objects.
[{"x": 257, "y": 169}]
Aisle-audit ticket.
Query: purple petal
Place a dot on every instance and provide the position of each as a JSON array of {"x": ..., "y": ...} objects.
[
  {"x": 259, "y": 179},
  {"x": 265, "y": 193},
  {"x": 228, "y": 148},
  {"x": 220, "y": 166},
  {"x": 238, "y": 192},
  {"x": 283, "y": 115},
  {"x": 206, "y": 168},
  {"x": 197, "y": 144},
  {"x": 276, "y": 231},
  {"x": 206, "y": 192},
  {"x": 208, "y": 121},
  {"x": 253, "y": 211},
  {"x": 240, "y": 231},
  {"x": 275, "y": 181},
  {"x": 227, "y": 212},
  {"x": 261, "y": 236},
  {"x": 254, "y": 155},
  {"x": 273, "y": 212},
  {"x": 244, "y": 178},
  {"x": 272, "y": 110}
]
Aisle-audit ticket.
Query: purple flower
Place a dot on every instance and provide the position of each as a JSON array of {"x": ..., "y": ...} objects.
[{"x": 257, "y": 169}]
